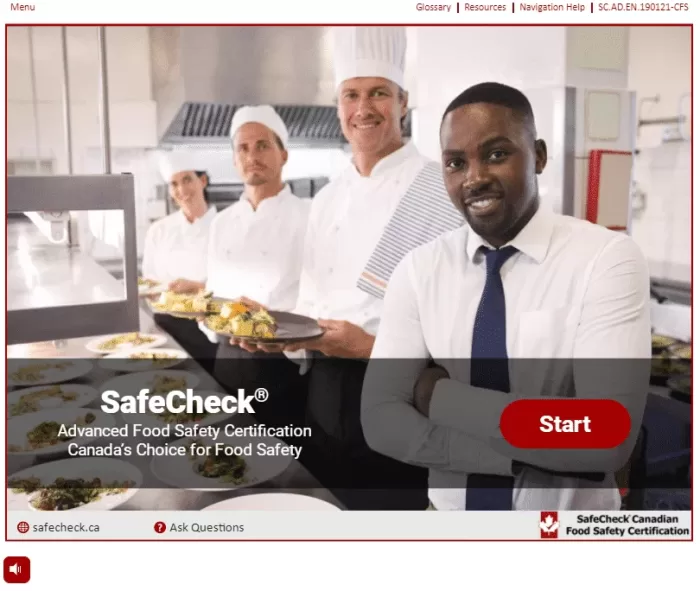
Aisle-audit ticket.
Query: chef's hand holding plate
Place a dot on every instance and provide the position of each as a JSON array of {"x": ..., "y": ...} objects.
[
  {"x": 185, "y": 286},
  {"x": 255, "y": 347},
  {"x": 340, "y": 339}
]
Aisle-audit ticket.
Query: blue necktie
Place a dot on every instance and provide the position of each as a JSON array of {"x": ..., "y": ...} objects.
[{"x": 489, "y": 369}]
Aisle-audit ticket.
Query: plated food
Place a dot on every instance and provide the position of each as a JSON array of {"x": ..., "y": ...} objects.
[
  {"x": 681, "y": 351},
  {"x": 48, "y": 433},
  {"x": 661, "y": 342},
  {"x": 130, "y": 341},
  {"x": 158, "y": 382},
  {"x": 667, "y": 364},
  {"x": 239, "y": 320},
  {"x": 41, "y": 433},
  {"x": 44, "y": 372},
  {"x": 272, "y": 502},
  {"x": 186, "y": 305},
  {"x": 680, "y": 384},
  {"x": 39, "y": 398},
  {"x": 145, "y": 360},
  {"x": 162, "y": 383},
  {"x": 236, "y": 463},
  {"x": 90, "y": 484},
  {"x": 182, "y": 419}
]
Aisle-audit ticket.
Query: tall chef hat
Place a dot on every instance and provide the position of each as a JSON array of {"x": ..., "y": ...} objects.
[
  {"x": 179, "y": 160},
  {"x": 263, "y": 114},
  {"x": 369, "y": 52}
]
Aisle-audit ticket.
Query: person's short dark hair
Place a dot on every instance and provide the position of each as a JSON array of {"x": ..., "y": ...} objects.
[
  {"x": 494, "y": 93},
  {"x": 200, "y": 174}
]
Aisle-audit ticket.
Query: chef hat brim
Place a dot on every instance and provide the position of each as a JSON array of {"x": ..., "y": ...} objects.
[{"x": 263, "y": 114}]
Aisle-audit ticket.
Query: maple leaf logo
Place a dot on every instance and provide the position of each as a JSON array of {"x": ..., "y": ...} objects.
[{"x": 549, "y": 525}]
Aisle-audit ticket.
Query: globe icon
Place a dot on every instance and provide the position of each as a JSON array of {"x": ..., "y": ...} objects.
[{"x": 23, "y": 527}]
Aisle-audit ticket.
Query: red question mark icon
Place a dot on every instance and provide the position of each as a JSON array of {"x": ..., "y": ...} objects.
[{"x": 159, "y": 527}]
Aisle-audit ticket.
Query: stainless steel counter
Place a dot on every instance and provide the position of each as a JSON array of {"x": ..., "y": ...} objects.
[
  {"x": 46, "y": 277},
  {"x": 296, "y": 479},
  {"x": 55, "y": 291}
]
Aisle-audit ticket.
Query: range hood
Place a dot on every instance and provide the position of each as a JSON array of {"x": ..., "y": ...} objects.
[{"x": 201, "y": 75}]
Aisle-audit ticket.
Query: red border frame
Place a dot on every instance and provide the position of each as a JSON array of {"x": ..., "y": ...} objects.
[{"x": 7, "y": 25}]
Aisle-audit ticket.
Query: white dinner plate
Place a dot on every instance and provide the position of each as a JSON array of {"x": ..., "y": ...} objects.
[
  {"x": 272, "y": 502},
  {"x": 131, "y": 384},
  {"x": 179, "y": 471},
  {"x": 157, "y": 420},
  {"x": 18, "y": 427},
  {"x": 107, "y": 469},
  {"x": 83, "y": 395},
  {"x": 102, "y": 345},
  {"x": 40, "y": 372},
  {"x": 124, "y": 361}
]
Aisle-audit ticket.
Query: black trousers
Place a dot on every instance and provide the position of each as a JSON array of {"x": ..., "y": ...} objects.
[
  {"x": 190, "y": 338},
  {"x": 338, "y": 454},
  {"x": 235, "y": 368}
]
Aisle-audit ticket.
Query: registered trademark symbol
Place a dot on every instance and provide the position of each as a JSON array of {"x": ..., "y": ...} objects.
[{"x": 261, "y": 395}]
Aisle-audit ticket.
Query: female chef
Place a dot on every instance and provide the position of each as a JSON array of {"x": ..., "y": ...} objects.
[{"x": 175, "y": 250}]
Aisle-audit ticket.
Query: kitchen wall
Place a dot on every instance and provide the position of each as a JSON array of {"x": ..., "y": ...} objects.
[
  {"x": 660, "y": 67},
  {"x": 132, "y": 119}
]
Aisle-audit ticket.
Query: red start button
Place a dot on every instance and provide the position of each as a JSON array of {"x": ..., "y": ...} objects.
[{"x": 547, "y": 423}]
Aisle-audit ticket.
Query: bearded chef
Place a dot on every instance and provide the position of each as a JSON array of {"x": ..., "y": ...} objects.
[
  {"x": 349, "y": 218},
  {"x": 175, "y": 248}
]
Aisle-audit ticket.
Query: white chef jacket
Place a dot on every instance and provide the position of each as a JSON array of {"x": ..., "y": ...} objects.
[
  {"x": 258, "y": 253},
  {"x": 176, "y": 248},
  {"x": 348, "y": 217},
  {"x": 574, "y": 290}
]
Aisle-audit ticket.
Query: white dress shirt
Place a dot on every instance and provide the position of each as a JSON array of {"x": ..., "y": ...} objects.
[
  {"x": 257, "y": 253},
  {"x": 347, "y": 219},
  {"x": 176, "y": 248},
  {"x": 574, "y": 290}
]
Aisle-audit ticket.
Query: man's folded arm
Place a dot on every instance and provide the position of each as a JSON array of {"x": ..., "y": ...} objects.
[
  {"x": 611, "y": 360},
  {"x": 392, "y": 426}
]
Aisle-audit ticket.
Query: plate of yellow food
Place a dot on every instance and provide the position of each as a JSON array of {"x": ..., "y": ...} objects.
[
  {"x": 38, "y": 398},
  {"x": 245, "y": 322},
  {"x": 128, "y": 341},
  {"x": 681, "y": 351},
  {"x": 661, "y": 342},
  {"x": 144, "y": 360},
  {"x": 186, "y": 305},
  {"x": 148, "y": 287},
  {"x": 40, "y": 372}
]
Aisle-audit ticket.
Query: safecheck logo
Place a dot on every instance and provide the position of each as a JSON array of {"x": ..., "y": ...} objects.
[{"x": 549, "y": 525}]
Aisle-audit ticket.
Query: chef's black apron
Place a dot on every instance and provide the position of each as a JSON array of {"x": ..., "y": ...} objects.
[
  {"x": 235, "y": 368},
  {"x": 189, "y": 336},
  {"x": 338, "y": 454}
]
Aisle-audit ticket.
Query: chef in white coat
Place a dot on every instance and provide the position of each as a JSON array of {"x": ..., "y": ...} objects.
[
  {"x": 255, "y": 250},
  {"x": 348, "y": 218},
  {"x": 175, "y": 248}
]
